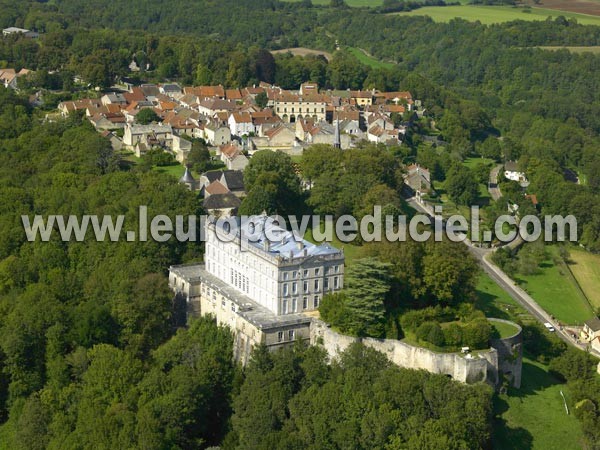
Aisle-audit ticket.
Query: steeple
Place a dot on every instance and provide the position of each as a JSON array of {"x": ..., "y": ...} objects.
[
  {"x": 337, "y": 142},
  {"x": 188, "y": 179}
]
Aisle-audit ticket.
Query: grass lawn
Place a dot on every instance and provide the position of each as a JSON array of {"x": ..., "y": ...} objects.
[
  {"x": 296, "y": 158},
  {"x": 534, "y": 416},
  {"x": 585, "y": 267},
  {"x": 555, "y": 290},
  {"x": 351, "y": 252},
  {"x": 368, "y": 60},
  {"x": 176, "y": 170},
  {"x": 496, "y": 14},
  {"x": 472, "y": 163},
  {"x": 505, "y": 330},
  {"x": 495, "y": 302}
]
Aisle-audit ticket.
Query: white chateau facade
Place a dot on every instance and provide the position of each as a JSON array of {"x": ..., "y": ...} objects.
[{"x": 263, "y": 289}]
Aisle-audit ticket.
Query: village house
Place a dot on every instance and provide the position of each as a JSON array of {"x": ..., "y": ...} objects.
[
  {"x": 66, "y": 108},
  {"x": 181, "y": 148},
  {"x": 113, "y": 98},
  {"x": 211, "y": 106},
  {"x": 9, "y": 77},
  {"x": 222, "y": 205},
  {"x": 215, "y": 133},
  {"x": 232, "y": 156},
  {"x": 240, "y": 124},
  {"x": 170, "y": 89},
  {"x": 281, "y": 137},
  {"x": 15, "y": 30},
  {"x": 206, "y": 91},
  {"x": 232, "y": 180},
  {"x": 362, "y": 98},
  {"x": 417, "y": 181},
  {"x": 139, "y": 133},
  {"x": 115, "y": 141},
  {"x": 591, "y": 333},
  {"x": 512, "y": 172},
  {"x": 402, "y": 97}
]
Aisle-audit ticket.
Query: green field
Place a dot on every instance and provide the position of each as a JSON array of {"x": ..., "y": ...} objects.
[
  {"x": 557, "y": 292},
  {"x": 369, "y": 60},
  {"x": 585, "y": 267},
  {"x": 495, "y": 14},
  {"x": 534, "y": 416},
  {"x": 495, "y": 302},
  {"x": 353, "y": 3},
  {"x": 592, "y": 49}
]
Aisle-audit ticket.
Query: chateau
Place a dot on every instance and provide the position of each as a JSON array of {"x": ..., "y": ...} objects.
[
  {"x": 266, "y": 284},
  {"x": 262, "y": 288}
]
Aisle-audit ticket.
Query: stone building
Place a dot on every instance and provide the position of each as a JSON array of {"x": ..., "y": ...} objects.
[{"x": 259, "y": 287}]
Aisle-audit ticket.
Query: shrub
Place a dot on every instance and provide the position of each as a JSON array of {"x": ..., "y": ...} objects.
[
  {"x": 332, "y": 309},
  {"x": 477, "y": 333},
  {"x": 453, "y": 335},
  {"x": 431, "y": 332}
]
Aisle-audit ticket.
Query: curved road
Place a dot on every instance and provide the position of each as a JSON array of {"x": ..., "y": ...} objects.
[
  {"x": 507, "y": 284},
  {"x": 493, "y": 183}
]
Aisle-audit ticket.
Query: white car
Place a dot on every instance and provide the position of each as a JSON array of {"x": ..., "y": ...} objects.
[{"x": 549, "y": 327}]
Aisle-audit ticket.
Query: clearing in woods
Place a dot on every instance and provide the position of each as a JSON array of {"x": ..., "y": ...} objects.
[
  {"x": 586, "y": 270},
  {"x": 302, "y": 51},
  {"x": 497, "y": 14}
]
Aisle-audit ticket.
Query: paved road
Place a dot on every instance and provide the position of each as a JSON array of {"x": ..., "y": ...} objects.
[
  {"x": 493, "y": 183},
  {"x": 507, "y": 284}
]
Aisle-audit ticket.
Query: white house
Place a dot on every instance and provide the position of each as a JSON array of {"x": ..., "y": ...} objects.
[
  {"x": 240, "y": 124},
  {"x": 512, "y": 172}
]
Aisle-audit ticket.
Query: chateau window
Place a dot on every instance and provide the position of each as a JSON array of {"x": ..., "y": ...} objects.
[
  {"x": 294, "y": 305},
  {"x": 316, "y": 301},
  {"x": 285, "y": 275},
  {"x": 326, "y": 283},
  {"x": 291, "y": 335},
  {"x": 305, "y": 286},
  {"x": 285, "y": 289},
  {"x": 280, "y": 336},
  {"x": 294, "y": 274},
  {"x": 316, "y": 285},
  {"x": 305, "y": 303},
  {"x": 337, "y": 269},
  {"x": 305, "y": 273},
  {"x": 317, "y": 272},
  {"x": 285, "y": 306},
  {"x": 336, "y": 282}
]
